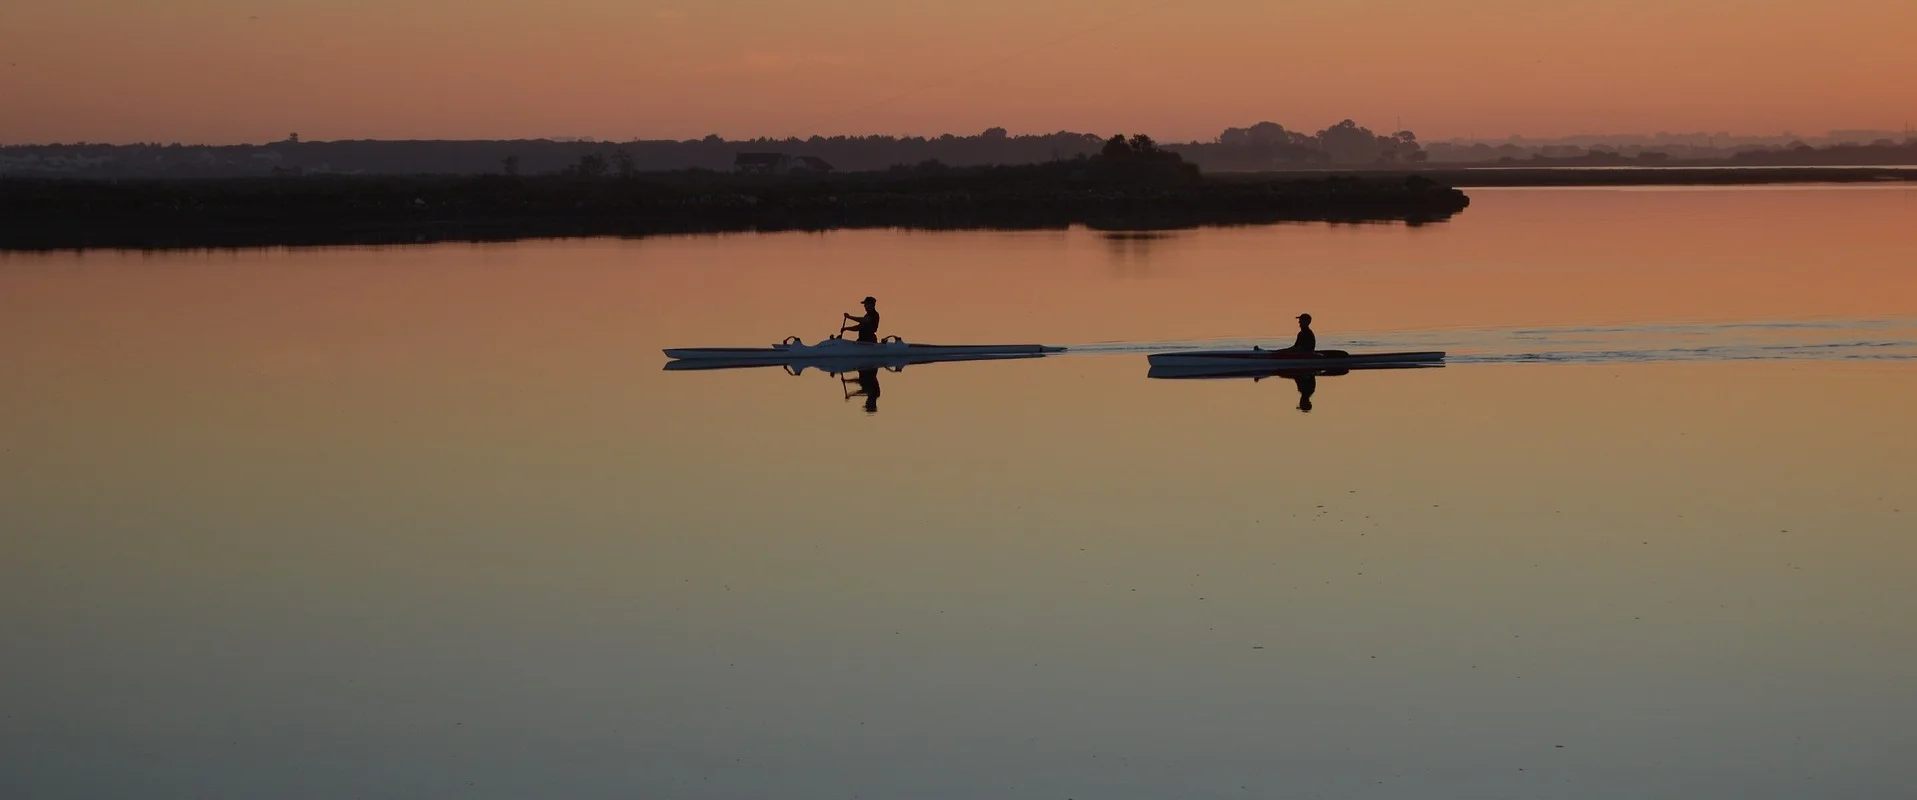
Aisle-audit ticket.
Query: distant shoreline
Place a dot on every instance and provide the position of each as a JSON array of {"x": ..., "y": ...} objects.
[
  {"x": 1266, "y": 146},
  {"x": 320, "y": 211},
  {"x": 1519, "y": 176}
]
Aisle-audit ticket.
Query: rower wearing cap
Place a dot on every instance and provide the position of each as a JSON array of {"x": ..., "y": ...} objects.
[
  {"x": 868, "y": 324},
  {"x": 1307, "y": 341}
]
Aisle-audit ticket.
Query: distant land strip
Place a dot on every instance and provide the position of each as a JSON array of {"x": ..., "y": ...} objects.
[
  {"x": 1265, "y": 146},
  {"x": 1146, "y": 191},
  {"x": 1654, "y": 176}
]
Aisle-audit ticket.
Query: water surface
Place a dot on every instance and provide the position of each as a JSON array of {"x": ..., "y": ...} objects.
[{"x": 434, "y": 522}]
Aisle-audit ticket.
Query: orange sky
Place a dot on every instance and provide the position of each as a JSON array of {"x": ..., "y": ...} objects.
[{"x": 254, "y": 70}]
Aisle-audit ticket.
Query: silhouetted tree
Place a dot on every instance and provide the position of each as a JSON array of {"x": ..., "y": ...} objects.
[
  {"x": 1348, "y": 143},
  {"x": 623, "y": 165},
  {"x": 1269, "y": 133},
  {"x": 590, "y": 165},
  {"x": 509, "y": 165}
]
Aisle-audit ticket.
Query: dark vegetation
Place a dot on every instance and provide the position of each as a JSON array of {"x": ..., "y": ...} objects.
[
  {"x": 1131, "y": 184},
  {"x": 1261, "y": 146},
  {"x": 1266, "y": 146}
]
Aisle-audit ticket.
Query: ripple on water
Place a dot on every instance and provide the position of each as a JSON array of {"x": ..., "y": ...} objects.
[{"x": 1804, "y": 340}]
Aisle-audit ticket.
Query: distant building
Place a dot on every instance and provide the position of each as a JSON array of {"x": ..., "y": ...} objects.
[
  {"x": 761, "y": 162},
  {"x": 778, "y": 163}
]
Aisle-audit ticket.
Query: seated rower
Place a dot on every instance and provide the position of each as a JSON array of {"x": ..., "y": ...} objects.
[
  {"x": 866, "y": 325},
  {"x": 1306, "y": 343}
]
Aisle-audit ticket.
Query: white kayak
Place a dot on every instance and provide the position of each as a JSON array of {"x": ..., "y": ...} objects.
[
  {"x": 1255, "y": 359},
  {"x": 795, "y": 349}
]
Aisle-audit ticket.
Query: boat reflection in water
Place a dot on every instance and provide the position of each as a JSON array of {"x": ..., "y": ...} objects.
[
  {"x": 1305, "y": 379},
  {"x": 858, "y": 377}
]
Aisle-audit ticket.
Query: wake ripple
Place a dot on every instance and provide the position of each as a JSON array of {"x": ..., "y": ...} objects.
[{"x": 1873, "y": 340}]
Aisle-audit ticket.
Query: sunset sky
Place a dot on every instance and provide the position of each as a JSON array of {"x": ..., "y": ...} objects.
[{"x": 224, "y": 71}]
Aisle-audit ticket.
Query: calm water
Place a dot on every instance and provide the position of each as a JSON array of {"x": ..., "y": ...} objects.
[{"x": 433, "y": 522}]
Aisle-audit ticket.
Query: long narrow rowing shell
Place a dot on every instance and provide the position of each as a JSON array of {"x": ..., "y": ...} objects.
[
  {"x": 1280, "y": 359},
  {"x": 795, "y": 350},
  {"x": 834, "y": 365},
  {"x": 1260, "y": 372}
]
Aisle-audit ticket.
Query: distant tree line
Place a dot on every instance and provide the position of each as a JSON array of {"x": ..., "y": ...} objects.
[
  {"x": 1268, "y": 145},
  {"x": 1879, "y": 151},
  {"x": 1262, "y": 146},
  {"x": 1121, "y": 160}
]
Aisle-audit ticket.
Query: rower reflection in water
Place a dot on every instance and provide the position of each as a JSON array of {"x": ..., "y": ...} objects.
[
  {"x": 868, "y": 383},
  {"x": 1306, "y": 385}
]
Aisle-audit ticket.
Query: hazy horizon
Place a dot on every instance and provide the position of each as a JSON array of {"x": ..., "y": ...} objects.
[
  {"x": 225, "y": 71},
  {"x": 1620, "y": 137}
]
